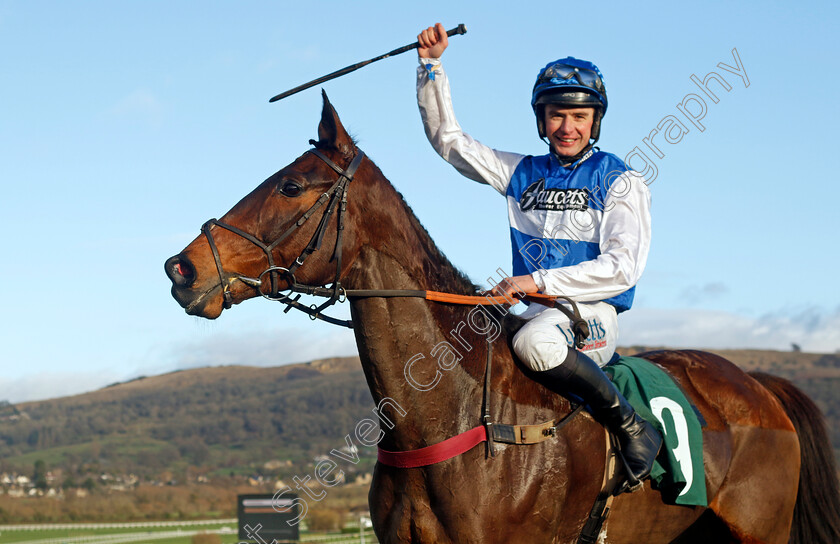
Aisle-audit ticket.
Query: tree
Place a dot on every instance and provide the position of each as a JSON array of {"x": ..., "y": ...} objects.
[
  {"x": 40, "y": 475},
  {"x": 69, "y": 482},
  {"x": 324, "y": 519}
]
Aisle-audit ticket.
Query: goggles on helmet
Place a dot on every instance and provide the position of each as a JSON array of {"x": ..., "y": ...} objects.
[
  {"x": 569, "y": 75},
  {"x": 555, "y": 74}
]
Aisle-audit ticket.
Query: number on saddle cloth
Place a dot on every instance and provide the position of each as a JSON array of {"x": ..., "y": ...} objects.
[{"x": 678, "y": 471}]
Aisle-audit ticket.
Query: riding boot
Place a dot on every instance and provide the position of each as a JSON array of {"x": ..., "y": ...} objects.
[{"x": 580, "y": 376}]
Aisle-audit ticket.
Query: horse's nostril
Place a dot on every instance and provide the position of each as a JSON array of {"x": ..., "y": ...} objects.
[{"x": 180, "y": 271}]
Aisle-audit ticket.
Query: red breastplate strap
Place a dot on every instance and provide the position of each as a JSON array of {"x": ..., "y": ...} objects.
[{"x": 449, "y": 448}]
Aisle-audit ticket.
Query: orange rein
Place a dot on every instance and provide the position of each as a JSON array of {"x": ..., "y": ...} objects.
[{"x": 437, "y": 296}]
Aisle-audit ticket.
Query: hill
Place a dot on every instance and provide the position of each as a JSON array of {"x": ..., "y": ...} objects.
[
  {"x": 236, "y": 420},
  {"x": 214, "y": 420}
]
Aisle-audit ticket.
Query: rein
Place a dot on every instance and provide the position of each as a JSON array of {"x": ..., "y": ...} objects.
[{"x": 336, "y": 199}]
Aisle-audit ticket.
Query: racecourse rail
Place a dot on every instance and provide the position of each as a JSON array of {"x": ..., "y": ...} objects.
[
  {"x": 130, "y": 525},
  {"x": 347, "y": 538}
]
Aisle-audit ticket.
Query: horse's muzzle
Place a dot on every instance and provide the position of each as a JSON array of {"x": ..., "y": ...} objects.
[
  {"x": 182, "y": 274},
  {"x": 180, "y": 271}
]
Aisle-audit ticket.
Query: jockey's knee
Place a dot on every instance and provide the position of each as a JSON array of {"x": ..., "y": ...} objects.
[{"x": 541, "y": 346}]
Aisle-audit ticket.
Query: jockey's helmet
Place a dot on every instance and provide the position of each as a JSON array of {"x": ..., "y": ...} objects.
[{"x": 570, "y": 82}]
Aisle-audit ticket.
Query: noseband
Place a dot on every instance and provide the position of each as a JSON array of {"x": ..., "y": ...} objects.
[{"x": 335, "y": 197}]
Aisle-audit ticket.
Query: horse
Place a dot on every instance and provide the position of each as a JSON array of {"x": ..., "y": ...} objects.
[{"x": 766, "y": 459}]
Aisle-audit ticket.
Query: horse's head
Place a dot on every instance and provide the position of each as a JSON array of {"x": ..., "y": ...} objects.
[{"x": 293, "y": 216}]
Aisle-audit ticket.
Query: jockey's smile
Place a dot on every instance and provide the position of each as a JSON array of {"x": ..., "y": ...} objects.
[{"x": 568, "y": 129}]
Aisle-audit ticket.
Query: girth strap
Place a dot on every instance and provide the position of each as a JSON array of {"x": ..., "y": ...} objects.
[{"x": 610, "y": 486}]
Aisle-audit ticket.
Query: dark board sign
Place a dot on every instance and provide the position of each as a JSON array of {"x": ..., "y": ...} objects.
[{"x": 264, "y": 519}]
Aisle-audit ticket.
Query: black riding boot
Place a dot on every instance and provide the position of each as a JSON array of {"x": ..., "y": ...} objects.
[{"x": 579, "y": 375}]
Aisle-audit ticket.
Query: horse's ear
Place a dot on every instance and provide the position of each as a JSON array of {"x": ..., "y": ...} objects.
[{"x": 331, "y": 132}]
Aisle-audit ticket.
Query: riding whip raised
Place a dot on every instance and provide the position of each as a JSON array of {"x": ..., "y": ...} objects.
[{"x": 460, "y": 29}]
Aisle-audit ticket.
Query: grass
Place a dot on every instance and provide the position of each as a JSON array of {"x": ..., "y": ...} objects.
[
  {"x": 12, "y": 537},
  {"x": 16, "y": 536}
]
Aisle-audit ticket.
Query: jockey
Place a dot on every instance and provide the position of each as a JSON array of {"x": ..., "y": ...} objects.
[{"x": 580, "y": 227}]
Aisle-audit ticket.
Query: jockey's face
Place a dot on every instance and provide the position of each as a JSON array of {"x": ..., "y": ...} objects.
[{"x": 568, "y": 129}]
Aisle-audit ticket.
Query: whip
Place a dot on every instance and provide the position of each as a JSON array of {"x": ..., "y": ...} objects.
[{"x": 460, "y": 29}]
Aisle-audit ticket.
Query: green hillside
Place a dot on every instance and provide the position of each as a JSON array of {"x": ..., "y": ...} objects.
[
  {"x": 221, "y": 420},
  {"x": 229, "y": 421}
]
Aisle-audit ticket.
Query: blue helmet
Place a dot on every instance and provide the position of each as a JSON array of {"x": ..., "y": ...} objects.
[{"x": 570, "y": 82}]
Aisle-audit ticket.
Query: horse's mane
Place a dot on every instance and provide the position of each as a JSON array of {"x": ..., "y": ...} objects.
[
  {"x": 450, "y": 275},
  {"x": 450, "y": 278},
  {"x": 453, "y": 279}
]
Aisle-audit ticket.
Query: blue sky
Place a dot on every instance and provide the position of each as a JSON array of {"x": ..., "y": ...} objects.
[{"x": 125, "y": 125}]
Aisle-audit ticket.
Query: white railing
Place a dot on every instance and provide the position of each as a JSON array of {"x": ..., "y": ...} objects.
[
  {"x": 348, "y": 538},
  {"x": 130, "y": 525},
  {"x": 118, "y": 539}
]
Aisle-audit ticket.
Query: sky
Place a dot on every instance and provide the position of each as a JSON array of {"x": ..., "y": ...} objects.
[{"x": 125, "y": 125}]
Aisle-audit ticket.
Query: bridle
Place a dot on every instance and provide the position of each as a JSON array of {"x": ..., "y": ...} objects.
[{"x": 336, "y": 199}]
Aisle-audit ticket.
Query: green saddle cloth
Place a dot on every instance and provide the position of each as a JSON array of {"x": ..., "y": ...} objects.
[{"x": 678, "y": 471}]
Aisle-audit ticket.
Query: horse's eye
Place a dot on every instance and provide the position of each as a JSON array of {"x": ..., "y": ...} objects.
[{"x": 290, "y": 188}]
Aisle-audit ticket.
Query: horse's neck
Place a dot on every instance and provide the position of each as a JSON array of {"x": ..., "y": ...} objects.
[
  {"x": 397, "y": 252},
  {"x": 396, "y": 338}
]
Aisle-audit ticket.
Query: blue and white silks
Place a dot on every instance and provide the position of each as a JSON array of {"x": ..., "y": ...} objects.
[{"x": 582, "y": 231}]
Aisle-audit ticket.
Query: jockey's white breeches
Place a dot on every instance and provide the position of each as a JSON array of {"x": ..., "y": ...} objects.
[{"x": 544, "y": 341}]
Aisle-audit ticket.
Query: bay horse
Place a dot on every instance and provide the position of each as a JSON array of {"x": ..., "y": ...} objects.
[{"x": 768, "y": 465}]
